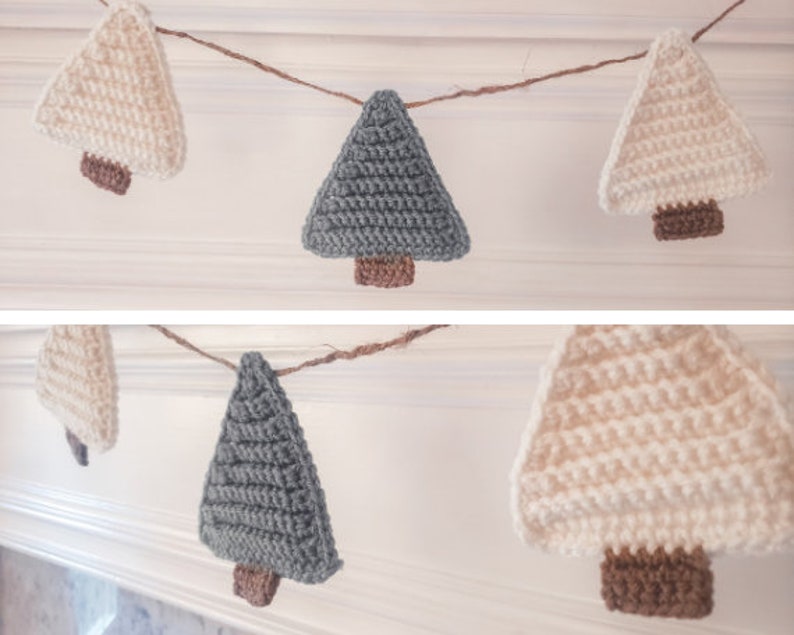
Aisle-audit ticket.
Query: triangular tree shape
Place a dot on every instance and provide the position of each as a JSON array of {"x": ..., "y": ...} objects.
[
  {"x": 76, "y": 380},
  {"x": 263, "y": 506},
  {"x": 680, "y": 146},
  {"x": 656, "y": 444},
  {"x": 383, "y": 202},
  {"x": 113, "y": 99}
]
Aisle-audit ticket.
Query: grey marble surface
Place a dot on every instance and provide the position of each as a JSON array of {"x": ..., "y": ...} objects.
[{"x": 41, "y": 598}]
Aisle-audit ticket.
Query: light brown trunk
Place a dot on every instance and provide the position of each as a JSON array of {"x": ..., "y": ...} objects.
[
  {"x": 105, "y": 173},
  {"x": 78, "y": 448},
  {"x": 254, "y": 584},
  {"x": 677, "y": 584},
  {"x": 688, "y": 220},
  {"x": 385, "y": 271}
]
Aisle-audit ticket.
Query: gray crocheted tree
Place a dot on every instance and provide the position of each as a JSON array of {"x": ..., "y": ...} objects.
[
  {"x": 384, "y": 203},
  {"x": 263, "y": 506}
]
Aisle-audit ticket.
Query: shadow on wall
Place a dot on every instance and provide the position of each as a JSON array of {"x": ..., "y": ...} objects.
[{"x": 40, "y": 598}]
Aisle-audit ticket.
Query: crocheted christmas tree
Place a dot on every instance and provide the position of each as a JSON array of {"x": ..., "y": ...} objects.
[
  {"x": 113, "y": 99},
  {"x": 76, "y": 380},
  {"x": 384, "y": 203},
  {"x": 656, "y": 445},
  {"x": 263, "y": 506},
  {"x": 680, "y": 147}
]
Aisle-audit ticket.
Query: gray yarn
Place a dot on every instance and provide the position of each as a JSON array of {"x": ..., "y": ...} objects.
[
  {"x": 263, "y": 504},
  {"x": 383, "y": 195}
]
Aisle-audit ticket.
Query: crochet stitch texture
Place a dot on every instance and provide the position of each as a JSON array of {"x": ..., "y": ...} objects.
[
  {"x": 263, "y": 504},
  {"x": 113, "y": 98},
  {"x": 648, "y": 436},
  {"x": 679, "y": 141},
  {"x": 383, "y": 195},
  {"x": 76, "y": 380}
]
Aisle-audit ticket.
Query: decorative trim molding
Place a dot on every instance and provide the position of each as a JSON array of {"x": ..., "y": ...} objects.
[
  {"x": 443, "y": 20},
  {"x": 107, "y": 273},
  {"x": 158, "y": 554},
  {"x": 148, "y": 363},
  {"x": 204, "y": 88},
  {"x": 476, "y": 44}
]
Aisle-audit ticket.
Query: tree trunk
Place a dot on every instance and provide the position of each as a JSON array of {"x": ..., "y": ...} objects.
[
  {"x": 105, "y": 173},
  {"x": 688, "y": 220},
  {"x": 78, "y": 448},
  {"x": 385, "y": 271},
  {"x": 677, "y": 584},
  {"x": 255, "y": 584}
]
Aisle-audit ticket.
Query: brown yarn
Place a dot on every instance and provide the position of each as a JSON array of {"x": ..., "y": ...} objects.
[
  {"x": 386, "y": 272},
  {"x": 477, "y": 92},
  {"x": 688, "y": 220},
  {"x": 359, "y": 351},
  {"x": 192, "y": 347},
  {"x": 107, "y": 174},
  {"x": 364, "y": 349},
  {"x": 78, "y": 448},
  {"x": 658, "y": 583},
  {"x": 256, "y": 585}
]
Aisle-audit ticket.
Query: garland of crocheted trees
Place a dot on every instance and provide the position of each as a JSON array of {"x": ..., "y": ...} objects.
[
  {"x": 656, "y": 445},
  {"x": 680, "y": 147}
]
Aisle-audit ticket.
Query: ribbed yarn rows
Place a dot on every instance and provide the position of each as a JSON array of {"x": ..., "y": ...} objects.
[
  {"x": 76, "y": 380},
  {"x": 679, "y": 141},
  {"x": 383, "y": 195},
  {"x": 263, "y": 504},
  {"x": 645, "y": 436},
  {"x": 657, "y": 583},
  {"x": 113, "y": 98}
]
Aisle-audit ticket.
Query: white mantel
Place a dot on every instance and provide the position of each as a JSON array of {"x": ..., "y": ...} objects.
[
  {"x": 413, "y": 448},
  {"x": 522, "y": 167}
]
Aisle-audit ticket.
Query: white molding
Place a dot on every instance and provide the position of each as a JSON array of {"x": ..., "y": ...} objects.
[
  {"x": 108, "y": 521},
  {"x": 442, "y": 370},
  {"x": 445, "y": 20},
  {"x": 206, "y": 88},
  {"x": 158, "y": 554},
  {"x": 417, "y": 52},
  {"x": 102, "y": 272}
]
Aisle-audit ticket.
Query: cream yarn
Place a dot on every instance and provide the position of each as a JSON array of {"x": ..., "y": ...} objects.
[
  {"x": 113, "y": 98},
  {"x": 679, "y": 140},
  {"x": 655, "y": 436},
  {"x": 76, "y": 380}
]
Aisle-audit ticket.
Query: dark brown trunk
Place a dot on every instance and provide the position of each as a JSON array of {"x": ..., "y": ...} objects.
[
  {"x": 688, "y": 220},
  {"x": 78, "y": 448},
  {"x": 105, "y": 173},
  {"x": 677, "y": 584},
  {"x": 385, "y": 271},
  {"x": 255, "y": 584}
]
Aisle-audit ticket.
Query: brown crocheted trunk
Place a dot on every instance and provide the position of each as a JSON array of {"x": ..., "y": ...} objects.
[
  {"x": 385, "y": 271},
  {"x": 255, "y": 584},
  {"x": 688, "y": 220},
  {"x": 105, "y": 173},
  {"x": 78, "y": 448},
  {"x": 677, "y": 584}
]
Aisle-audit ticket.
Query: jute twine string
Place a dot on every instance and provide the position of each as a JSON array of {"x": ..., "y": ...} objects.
[
  {"x": 359, "y": 351},
  {"x": 474, "y": 92}
]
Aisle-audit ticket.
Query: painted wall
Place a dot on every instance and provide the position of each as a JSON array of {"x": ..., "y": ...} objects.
[
  {"x": 522, "y": 167},
  {"x": 413, "y": 447}
]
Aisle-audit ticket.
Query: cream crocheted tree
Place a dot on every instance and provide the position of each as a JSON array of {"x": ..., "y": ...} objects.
[
  {"x": 680, "y": 147},
  {"x": 656, "y": 445},
  {"x": 76, "y": 380},
  {"x": 113, "y": 99}
]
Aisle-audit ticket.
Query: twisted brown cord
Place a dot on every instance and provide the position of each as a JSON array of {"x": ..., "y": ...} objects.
[
  {"x": 474, "y": 92},
  {"x": 192, "y": 347},
  {"x": 364, "y": 349},
  {"x": 359, "y": 351}
]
